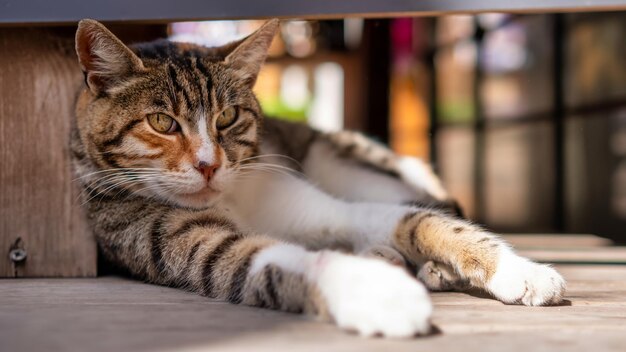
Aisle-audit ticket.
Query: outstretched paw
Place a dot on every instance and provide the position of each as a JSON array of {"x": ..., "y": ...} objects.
[
  {"x": 517, "y": 280},
  {"x": 374, "y": 298}
]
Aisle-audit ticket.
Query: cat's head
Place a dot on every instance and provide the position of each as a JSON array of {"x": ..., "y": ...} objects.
[{"x": 169, "y": 120}]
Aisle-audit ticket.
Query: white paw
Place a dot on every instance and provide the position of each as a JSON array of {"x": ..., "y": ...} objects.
[
  {"x": 421, "y": 177},
  {"x": 372, "y": 297},
  {"x": 519, "y": 281}
]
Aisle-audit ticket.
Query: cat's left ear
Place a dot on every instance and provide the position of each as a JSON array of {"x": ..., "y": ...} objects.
[
  {"x": 104, "y": 59},
  {"x": 249, "y": 54}
]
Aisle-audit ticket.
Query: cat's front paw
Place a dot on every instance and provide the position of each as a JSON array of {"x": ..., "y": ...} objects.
[
  {"x": 440, "y": 277},
  {"x": 517, "y": 280},
  {"x": 372, "y": 297}
]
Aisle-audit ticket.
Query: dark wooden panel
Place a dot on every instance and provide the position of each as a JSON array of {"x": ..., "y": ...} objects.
[
  {"x": 39, "y": 78},
  {"x": 69, "y": 11}
]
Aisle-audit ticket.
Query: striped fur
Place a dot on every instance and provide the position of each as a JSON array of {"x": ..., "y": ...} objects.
[{"x": 249, "y": 231}]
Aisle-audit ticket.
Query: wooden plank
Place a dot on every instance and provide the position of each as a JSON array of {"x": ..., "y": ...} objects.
[
  {"x": 562, "y": 248},
  {"x": 614, "y": 255},
  {"x": 560, "y": 241},
  {"x": 16, "y": 12},
  {"x": 39, "y": 79},
  {"x": 112, "y": 314}
]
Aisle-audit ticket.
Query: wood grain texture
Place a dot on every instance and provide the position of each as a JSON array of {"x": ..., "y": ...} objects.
[
  {"x": 557, "y": 241},
  {"x": 39, "y": 79},
  {"x": 563, "y": 248},
  {"x": 113, "y": 314},
  {"x": 609, "y": 255}
]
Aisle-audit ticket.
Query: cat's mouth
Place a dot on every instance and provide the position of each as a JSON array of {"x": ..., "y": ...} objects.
[{"x": 195, "y": 193}]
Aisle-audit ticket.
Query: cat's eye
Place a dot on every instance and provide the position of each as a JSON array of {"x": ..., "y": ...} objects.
[
  {"x": 163, "y": 123},
  {"x": 226, "y": 118}
]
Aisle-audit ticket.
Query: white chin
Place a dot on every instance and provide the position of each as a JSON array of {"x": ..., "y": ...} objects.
[{"x": 202, "y": 199}]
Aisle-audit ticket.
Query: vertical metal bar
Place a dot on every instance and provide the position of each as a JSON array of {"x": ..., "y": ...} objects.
[
  {"x": 479, "y": 127},
  {"x": 558, "y": 64},
  {"x": 378, "y": 71},
  {"x": 432, "y": 89}
]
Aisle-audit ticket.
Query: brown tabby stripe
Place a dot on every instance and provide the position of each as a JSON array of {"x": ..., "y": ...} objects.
[
  {"x": 239, "y": 278},
  {"x": 207, "y": 75},
  {"x": 241, "y": 128},
  {"x": 109, "y": 160},
  {"x": 160, "y": 103},
  {"x": 270, "y": 287},
  {"x": 122, "y": 223},
  {"x": 141, "y": 157},
  {"x": 253, "y": 112},
  {"x": 156, "y": 235},
  {"x": 204, "y": 88},
  {"x": 204, "y": 221},
  {"x": 201, "y": 93},
  {"x": 244, "y": 142},
  {"x": 205, "y": 72},
  {"x": 192, "y": 254},
  {"x": 177, "y": 86},
  {"x": 231, "y": 153},
  {"x": 184, "y": 62},
  {"x": 408, "y": 216},
  {"x": 413, "y": 232},
  {"x": 78, "y": 154},
  {"x": 212, "y": 259},
  {"x": 259, "y": 300},
  {"x": 148, "y": 140},
  {"x": 117, "y": 140}
]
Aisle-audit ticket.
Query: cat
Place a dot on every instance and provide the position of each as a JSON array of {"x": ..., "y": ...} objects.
[{"x": 186, "y": 184}]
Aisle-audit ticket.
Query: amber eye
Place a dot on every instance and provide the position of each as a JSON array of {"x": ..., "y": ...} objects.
[
  {"x": 162, "y": 123},
  {"x": 226, "y": 118}
]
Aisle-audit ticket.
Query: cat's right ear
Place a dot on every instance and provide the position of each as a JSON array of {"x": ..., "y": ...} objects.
[{"x": 104, "y": 59}]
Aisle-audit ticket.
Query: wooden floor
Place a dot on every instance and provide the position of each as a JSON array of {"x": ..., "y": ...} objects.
[{"x": 116, "y": 314}]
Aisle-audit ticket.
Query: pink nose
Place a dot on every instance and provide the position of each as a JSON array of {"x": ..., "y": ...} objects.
[{"x": 207, "y": 170}]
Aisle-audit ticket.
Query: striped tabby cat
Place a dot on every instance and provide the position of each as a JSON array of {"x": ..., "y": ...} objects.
[{"x": 187, "y": 185}]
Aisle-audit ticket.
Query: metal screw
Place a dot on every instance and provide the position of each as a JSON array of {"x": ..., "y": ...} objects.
[{"x": 17, "y": 255}]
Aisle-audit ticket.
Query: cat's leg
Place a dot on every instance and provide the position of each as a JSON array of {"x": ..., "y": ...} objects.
[
  {"x": 294, "y": 210},
  {"x": 481, "y": 258},
  {"x": 365, "y": 154},
  {"x": 359, "y": 294},
  {"x": 205, "y": 252},
  {"x": 354, "y": 167},
  {"x": 351, "y": 166}
]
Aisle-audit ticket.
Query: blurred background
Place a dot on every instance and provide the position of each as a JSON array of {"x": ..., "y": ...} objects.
[{"x": 523, "y": 116}]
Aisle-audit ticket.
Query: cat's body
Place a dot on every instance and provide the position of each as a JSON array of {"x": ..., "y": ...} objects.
[{"x": 186, "y": 185}]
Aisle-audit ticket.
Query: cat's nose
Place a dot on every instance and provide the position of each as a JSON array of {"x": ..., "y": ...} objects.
[{"x": 206, "y": 169}]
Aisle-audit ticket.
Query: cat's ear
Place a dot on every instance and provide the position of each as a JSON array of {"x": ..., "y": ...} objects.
[
  {"x": 104, "y": 59},
  {"x": 248, "y": 55}
]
